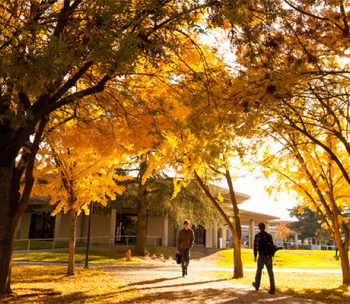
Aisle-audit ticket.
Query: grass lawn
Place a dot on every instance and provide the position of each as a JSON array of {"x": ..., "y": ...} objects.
[
  {"x": 49, "y": 284},
  {"x": 113, "y": 256},
  {"x": 304, "y": 259},
  {"x": 322, "y": 287},
  {"x": 223, "y": 258}
]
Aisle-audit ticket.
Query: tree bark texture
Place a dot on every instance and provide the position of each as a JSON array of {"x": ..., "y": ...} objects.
[
  {"x": 141, "y": 240},
  {"x": 238, "y": 265},
  {"x": 344, "y": 258},
  {"x": 12, "y": 203},
  {"x": 73, "y": 226},
  {"x": 9, "y": 218},
  {"x": 237, "y": 260},
  {"x": 343, "y": 248}
]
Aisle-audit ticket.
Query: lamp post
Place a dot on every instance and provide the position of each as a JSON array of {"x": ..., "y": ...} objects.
[{"x": 88, "y": 236}]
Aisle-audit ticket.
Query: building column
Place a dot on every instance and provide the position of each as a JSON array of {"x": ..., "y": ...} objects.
[
  {"x": 215, "y": 235},
  {"x": 18, "y": 229},
  {"x": 165, "y": 237},
  {"x": 267, "y": 227},
  {"x": 112, "y": 227},
  {"x": 251, "y": 234},
  {"x": 57, "y": 231},
  {"x": 222, "y": 236},
  {"x": 296, "y": 238},
  {"x": 177, "y": 230}
]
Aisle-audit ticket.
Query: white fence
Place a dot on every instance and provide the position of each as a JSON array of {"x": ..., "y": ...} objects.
[{"x": 63, "y": 243}]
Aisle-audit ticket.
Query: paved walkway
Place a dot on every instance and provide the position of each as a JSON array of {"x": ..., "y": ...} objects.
[{"x": 162, "y": 283}]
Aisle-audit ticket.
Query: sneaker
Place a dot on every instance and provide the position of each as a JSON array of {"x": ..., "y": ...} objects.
[
  {"x": 271, "y": 292},
  {"x": 255, "y": 286}
]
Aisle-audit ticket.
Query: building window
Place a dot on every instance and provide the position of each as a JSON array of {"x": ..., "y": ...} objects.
[{"x": 42, "y": 225}]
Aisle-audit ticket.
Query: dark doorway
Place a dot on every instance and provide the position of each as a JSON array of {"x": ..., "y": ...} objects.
[
  {"x": 199, "y": 234},
  {"x": 42, "y": 225},
  {"x": 126, "y": 225}
]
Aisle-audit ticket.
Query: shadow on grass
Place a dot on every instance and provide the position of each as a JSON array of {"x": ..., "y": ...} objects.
[
  {"x": 177, "y": 292},
  {"x": 337, "y": 295}
]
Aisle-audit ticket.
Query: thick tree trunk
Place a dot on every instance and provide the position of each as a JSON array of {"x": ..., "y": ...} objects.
[
  {"x": 344, "y": 259},
  {"x": 141, "y": 240},
  {"x": 73, "y": 225},
  {"x": 12, "y": 203},
  {"x": 9, "y": 217}
]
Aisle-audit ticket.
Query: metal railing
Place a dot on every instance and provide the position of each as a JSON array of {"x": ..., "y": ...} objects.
[
  {"x": 291, "y": 246},
  {"x": 63, "y": 243}
]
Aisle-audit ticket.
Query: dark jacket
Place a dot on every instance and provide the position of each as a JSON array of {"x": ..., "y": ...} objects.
[
  {"x": 185, "y": 239},
  {"x": 257, "y": 244}
]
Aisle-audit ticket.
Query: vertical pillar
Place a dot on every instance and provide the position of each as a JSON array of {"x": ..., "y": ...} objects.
[
  {"x": 18, "y": 229},
  {"x": 296, "y": 238},
  {"x": 267, "y": 227},
  {"x": 165, "y": 231},
  {"x": 57, "y": 231},
  {"x": 251, "y": 233},
  {"x": 215, "y": 235},
  {"x": 177, "y": 230},
  {"x": 112, "y": 227},
  {"x": 224, "y": 237}
]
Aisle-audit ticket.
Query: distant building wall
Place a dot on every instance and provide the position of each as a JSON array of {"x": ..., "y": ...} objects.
[
  {"x": 25, "y": 225},
  {"x": 65, "y": 226},
  {"x": 154, "y": 228},
  {"x": 100, "y": 226},
  {"x": 171, "y": 233}
]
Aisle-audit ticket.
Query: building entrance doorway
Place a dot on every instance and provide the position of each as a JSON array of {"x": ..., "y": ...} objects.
[
  {"x": 42, "y": 225},
  {"x": 126, "y": 229},
  {"x": 199, "y": 234}
]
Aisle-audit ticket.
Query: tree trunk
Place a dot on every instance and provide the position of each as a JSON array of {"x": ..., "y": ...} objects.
[
  {"x": 141, "y": 240},
  {"x": 238, "y": 265},
  {"x": 344, "y": 259},
  {"x": 237, "y": 261},
  {"x": 73, "y": 226},
  {"x": 9, "y": 217},
  {"x": 12, "y": 203},
  {"x": 237, "y": 258}
]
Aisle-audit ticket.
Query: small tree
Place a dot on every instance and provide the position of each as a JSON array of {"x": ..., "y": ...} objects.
[
  {"x": 74, "y": 171},
  {"x": 283, "y": 231}
]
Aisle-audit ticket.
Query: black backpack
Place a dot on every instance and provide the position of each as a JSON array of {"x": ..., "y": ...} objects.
[{"x": 266, "y": 244}]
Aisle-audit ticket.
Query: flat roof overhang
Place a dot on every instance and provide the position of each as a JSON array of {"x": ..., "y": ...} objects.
[{"x": 247, "y": 216}]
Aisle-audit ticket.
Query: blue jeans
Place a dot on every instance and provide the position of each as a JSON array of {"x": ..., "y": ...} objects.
[
  {"x": 185, "y": 258},
  {"x": 261, "y": 262}
]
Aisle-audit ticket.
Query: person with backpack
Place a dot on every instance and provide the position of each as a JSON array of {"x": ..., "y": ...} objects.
[{"x": 263, "y": 244}]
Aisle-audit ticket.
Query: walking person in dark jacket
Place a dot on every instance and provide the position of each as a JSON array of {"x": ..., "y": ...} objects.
[
  {"x": 185, "y": 241},
  {"x": 263, "y": 244}
]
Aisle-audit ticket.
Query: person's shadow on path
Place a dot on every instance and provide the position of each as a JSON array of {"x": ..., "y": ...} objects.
[{"x": 151, "y": 282}]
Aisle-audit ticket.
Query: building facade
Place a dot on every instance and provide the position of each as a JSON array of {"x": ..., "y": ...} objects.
[{"x": 117, "y": 224}]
